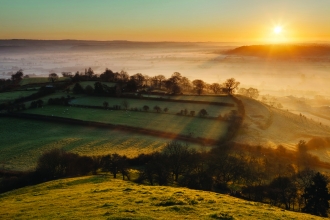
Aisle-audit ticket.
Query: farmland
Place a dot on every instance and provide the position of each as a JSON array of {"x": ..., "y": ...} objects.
[
  {"x": 10, "y": 96},
  {"x": 23, "y": 141},
  {"x": 184, "y": 125},
  {"x": 101, "y": 197},
  {"x": 173, "y": 107},
  {"x": 38, "y": 80}
]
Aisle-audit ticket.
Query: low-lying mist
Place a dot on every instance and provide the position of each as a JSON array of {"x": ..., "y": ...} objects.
[{"x": 303, "y": 77}]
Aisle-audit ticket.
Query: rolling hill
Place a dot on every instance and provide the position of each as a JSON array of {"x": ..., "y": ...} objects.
[
  {"x": 269, "y": 127},
  {"x": 99, "y": 197}
]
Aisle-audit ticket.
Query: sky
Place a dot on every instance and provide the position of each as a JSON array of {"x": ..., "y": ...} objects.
[{"x": 167, "y": 20}]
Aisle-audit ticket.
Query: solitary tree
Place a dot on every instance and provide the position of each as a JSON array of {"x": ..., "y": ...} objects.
[
  {"x": 53, "y": 77},
  {"x": 17, "y": 76},
  {"x": 202, "y": 113},
  {"x": 157, "y": 108},
  {"x": 317, "y": 196},
  {"x": 145, "y": 108}
]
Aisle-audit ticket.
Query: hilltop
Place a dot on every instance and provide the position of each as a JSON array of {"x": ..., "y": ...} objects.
[
  {"x": 99, "y": 197},
  {"x": 282, "y": 51}
]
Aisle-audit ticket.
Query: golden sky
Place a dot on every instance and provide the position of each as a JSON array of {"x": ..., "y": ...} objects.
[{"x": 170, "y": 20}]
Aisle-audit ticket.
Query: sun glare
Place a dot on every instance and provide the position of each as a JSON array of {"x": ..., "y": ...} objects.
[{"x": 277, "y": 29}]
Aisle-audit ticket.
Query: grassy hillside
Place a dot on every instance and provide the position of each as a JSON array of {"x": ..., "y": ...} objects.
[
  {"x": 268, "y": 126},
  {"x": 23, "y": 141},
  {"x": 99, "y": 197}
]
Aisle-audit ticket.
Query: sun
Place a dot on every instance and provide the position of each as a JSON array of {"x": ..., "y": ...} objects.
[{"x": 277, "y": 29}]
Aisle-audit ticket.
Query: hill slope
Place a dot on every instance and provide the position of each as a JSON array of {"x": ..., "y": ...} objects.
[
  {"x": 269, "y": 127},
  {"x": 98, "y": 197}
]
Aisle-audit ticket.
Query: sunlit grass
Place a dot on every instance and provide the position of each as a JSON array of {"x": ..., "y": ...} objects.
[
  {"x": 35, "y": 80},
  {"x": 174, "y": 107},
  {"x": 101, "y": 197},
  {"x": 197, "y": 126},
  {"x": 23, "y": 141}
]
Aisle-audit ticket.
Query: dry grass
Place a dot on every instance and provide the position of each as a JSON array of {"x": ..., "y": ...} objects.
[{"x": 99, "y": 197}]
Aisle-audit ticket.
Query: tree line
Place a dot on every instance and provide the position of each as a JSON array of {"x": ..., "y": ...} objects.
[{"x": 278, "y": 176}]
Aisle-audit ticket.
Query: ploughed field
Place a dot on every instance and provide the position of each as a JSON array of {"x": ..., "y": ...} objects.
[{"x": 101, "y": 197}]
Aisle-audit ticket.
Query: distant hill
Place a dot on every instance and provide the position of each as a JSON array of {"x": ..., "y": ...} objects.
[
  {"x": 101, "y": 197},
  {"x": 283, "y": 51},
  {"x": 21, "y": 45}
]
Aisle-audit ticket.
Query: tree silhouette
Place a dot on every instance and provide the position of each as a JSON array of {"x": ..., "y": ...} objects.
[
  {"x": 317, "y": 196},
  {"x": 53, "y": 77},
  {"x": 202, "y": 113},
  {"x": 145, "y": 108},
  {"x": 215, "y": 87},
  {"x": 199, "y": 86},
  {"x": 231, "y": 84},
  {"x": 157, "y": 109},
  {"x": 17, "y": 76}
]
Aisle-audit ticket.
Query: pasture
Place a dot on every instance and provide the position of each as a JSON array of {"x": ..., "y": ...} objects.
[
  {"x": 173, "y": 107},
  {"x": 101, "y": 197},
  {"x": 37, "y": 80},
  {"x": 23, "y": 141},
  {"x": 10, "y": 96},
  {"x": 184, "y": 125}
]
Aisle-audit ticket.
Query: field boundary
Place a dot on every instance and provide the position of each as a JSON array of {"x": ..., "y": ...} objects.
[
  {"x": 180, "y": 100},
  {"x": 125, "y": 128}
]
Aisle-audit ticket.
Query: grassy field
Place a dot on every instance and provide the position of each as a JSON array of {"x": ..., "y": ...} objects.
[
  {"x": 35, "y": 80},
  {"x": 174, "y": 107},
  {"x": 99, "y": 197},
  {"x": 198, "y": 127},
  {"x": 10, "y": 96},
  {"x": 23, "y": 141},
  {"x": 205, "y": 98}
]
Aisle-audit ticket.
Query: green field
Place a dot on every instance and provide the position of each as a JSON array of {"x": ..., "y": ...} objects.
[
  {"x": 35, "y": 80},
  {"x": 101, "y": 197},
  {"x": 198, "y": 127},
  {"x": 174, "y": 107},
  {"x": 205, "y": 98},
  {"x": 23, "y": 141},
  {"x": 10, "y": 96}
]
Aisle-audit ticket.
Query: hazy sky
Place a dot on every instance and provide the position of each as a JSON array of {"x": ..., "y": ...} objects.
[{"x": 166, "y": 20}]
